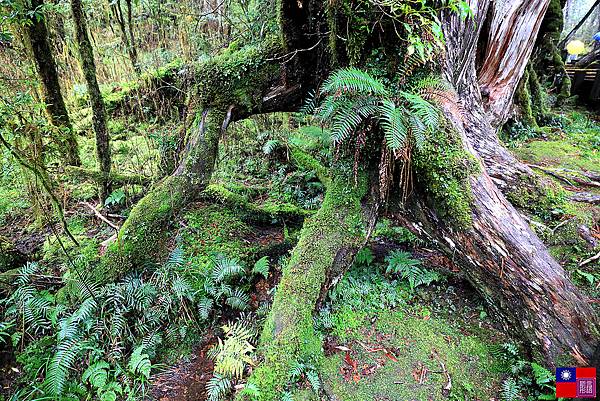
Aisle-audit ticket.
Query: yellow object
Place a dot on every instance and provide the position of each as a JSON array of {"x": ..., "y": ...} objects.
[{"x": 576, "y": 47}]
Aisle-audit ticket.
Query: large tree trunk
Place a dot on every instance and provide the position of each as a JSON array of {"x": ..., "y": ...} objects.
[
  {"x": 503, "y": 258},
  {"x": 36, "y": 34},
  {"x": 86, "y": 56}
]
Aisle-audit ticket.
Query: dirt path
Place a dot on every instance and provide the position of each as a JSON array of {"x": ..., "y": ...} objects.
[{"x": 186, "y": 381}]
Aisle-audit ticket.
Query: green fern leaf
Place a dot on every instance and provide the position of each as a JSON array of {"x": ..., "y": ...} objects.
[
  {"x": 96, "y": 374},
  {"x": 261, "y": 267},
  {"x": 60, "y": 365},
  {"x": 139, "y": 363},
  {"x": 218, "y": 387}
]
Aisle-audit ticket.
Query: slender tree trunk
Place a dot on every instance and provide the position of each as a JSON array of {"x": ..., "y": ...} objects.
[
  {"x": 131, "y": 35},
  {"x": 86, "y": 58},
  {"x": 36, "y": 34},
  {"x": 118, "y": 14}
]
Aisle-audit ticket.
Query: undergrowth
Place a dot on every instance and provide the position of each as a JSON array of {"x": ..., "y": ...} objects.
[{"x": 105, "y": 341}]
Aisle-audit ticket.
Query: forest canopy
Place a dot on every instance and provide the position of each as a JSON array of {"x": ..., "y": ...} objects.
[{"x": 298, "y": 200}]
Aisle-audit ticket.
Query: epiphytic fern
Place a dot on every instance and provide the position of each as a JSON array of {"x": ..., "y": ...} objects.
[{"x": 353, "y": 99}]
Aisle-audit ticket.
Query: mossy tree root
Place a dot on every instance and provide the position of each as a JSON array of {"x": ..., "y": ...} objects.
[
  {"x": 263, "y": 212},
  {"x": 96, "y": 176},
  {"x": 145, "y": 228},
  {"x": 328, "y": 243}
]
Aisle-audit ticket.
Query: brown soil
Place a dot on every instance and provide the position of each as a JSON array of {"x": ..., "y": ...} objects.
[{"x": 186, "y": 381}]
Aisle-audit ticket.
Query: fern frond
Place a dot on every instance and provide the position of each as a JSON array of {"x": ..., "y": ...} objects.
[
  {"x": 205, "y": 306},
  {"x": 176, "y": 259},
  {"x": 353, "y": 81},
  {"x": 96, "y": 374},
  {"x": 393, "y": 122},
  {"x": 313, "y": 379},
  {"x": 238, "y": 299},
  {"x": 225, "y": 268},
  {"x": 261, "y": 267},
  {"x": 60, "y": 365},
  {"x": 218, "y": 387},
  {"x": 510, "y": 390},
  {"x": 139, "y": 363}
]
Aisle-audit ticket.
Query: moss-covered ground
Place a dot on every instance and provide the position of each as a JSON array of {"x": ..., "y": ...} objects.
[
  {"x": 566, "y": 154},
  {"x": 392, "y": 344}
]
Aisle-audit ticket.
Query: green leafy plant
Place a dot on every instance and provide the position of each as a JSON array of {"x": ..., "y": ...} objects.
[
  {"x": 117, "y": 197},
  {"x": 224, "y": 283},
  {"x": 402, "y": 264},
  {"x": 232, "y": 355},
  {"x": 364, "y": 257},
  {"x": 261, "y": 267},
  {"x": 139, "y": 363},
  {"x": 511, "y": 391}
]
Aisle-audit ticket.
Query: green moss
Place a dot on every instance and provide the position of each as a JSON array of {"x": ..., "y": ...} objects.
[
  {"x": 143, "y": 235},
  {"x": 544, "y": 200},
  {"x": 523, "y": 99},
  {"x": 266, "y": 211},
  {"x": 213, "y": 229},
  {"x": 443, "y": 169},
  {"x": 560, "y": 153},
  {"x": 237, "y": 78},
  {"x": 288, "y": 335},
  {"x": 415, "y": 342},
  {"x": 308, "y": 162}
]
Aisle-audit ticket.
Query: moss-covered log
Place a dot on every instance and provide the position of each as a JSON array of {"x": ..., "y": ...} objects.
[
  {"x": 115, "y": 178},
  {"x": 328, "y": 243},
  {"x": 264, "y": 212},
  {"x": 231, "y": 86}
]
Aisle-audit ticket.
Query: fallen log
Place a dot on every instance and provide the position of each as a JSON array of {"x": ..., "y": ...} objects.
[{"x": 84, "y": 174}]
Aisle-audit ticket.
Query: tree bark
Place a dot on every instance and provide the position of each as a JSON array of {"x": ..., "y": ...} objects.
[
  {"x": 36, "y": 34},
  {"x": 86, "y": 58},
  {"x": 513, "y": 28},
  {"x": 506, "y": 262}
]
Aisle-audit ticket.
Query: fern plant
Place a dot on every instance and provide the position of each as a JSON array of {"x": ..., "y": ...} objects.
[
  {"x": 353, "y": 100},
  {"x": 232, "y": 355},
  {"x": 402, "y": 263},
  {"x": 225, "y": 284},
  {"x": 511, "y": 390}
]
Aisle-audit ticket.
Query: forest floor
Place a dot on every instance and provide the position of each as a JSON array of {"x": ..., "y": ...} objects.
[{"x": 383, "y": 339}]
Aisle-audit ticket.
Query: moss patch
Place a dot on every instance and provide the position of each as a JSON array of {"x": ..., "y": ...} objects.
[
  {"x": 559, "y": 153},
  {"x": 415, "y": 343},
  {"x": 214, "y": 229}
]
